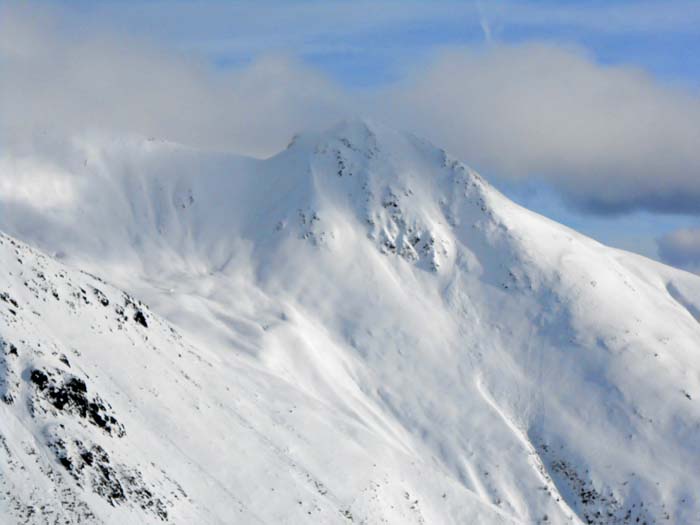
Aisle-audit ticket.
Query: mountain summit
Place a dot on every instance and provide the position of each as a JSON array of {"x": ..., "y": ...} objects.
[{"x": 358, "y": 329}]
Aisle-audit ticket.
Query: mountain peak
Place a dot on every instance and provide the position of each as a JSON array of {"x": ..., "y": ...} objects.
[
  {"x": 403, "y": 191},
  {"x": 360, "y": 132},
  {"x": 365, "y": 329}
]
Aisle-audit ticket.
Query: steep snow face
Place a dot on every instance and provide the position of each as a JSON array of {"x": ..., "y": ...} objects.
[
  {"x": 110, "y": 415},
  {"x": 399, "y": 333}
]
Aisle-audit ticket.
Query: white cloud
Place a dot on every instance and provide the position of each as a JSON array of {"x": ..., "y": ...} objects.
[
  {"x": 56, "y": 83},
  {"x": 609, "y": 138}
]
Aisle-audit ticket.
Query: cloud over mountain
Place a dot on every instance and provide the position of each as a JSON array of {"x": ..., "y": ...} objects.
[{"x": 609, "y": 138}]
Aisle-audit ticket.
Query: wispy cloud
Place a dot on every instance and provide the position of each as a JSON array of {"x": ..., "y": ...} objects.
[{"x": 484, "y": 22}]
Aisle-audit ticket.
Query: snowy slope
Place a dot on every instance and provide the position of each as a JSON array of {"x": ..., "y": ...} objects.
[{"x": 369, "y": 333}]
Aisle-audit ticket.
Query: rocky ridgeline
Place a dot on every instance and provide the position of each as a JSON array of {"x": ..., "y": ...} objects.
[{"x": 43, "y": 382}]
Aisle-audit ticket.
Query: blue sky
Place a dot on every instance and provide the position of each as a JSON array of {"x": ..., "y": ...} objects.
[
  {"x": 366, "y": 42},
  {"x": 634, "y": 66}
]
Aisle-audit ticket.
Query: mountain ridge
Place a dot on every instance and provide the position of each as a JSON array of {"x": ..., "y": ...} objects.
[{"x": 385, "y": 285}]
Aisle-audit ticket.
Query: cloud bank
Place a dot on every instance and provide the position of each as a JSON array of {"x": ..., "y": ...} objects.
[
  {"x": 609, "y": 138},
  {"x": 56, "y": 79}
]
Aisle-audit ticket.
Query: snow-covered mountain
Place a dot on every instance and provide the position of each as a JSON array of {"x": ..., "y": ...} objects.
[{"x": 358, "y": 329}]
